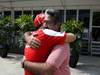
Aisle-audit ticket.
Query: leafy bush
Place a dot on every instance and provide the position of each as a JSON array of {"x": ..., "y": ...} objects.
[
  {"x": 25, "y": 23},
  {"x": 72, "y": 26},
  {"x": 6, "y": 29},
  {"x": 75, "y": 27},
  {"x": 10, "y": 31}
]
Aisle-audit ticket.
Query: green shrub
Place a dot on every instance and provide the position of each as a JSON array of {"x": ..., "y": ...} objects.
[
  {"x": 25, "y": 23},
  {"x": 75, "y": 27},
  {"x": 72, "y": 26},
  {"x": 6, "y": 29}
]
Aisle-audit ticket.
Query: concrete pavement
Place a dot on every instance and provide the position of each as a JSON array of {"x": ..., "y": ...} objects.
[
  {"x": 11, "y": 65},
  {"x": 87, "y": 65}
]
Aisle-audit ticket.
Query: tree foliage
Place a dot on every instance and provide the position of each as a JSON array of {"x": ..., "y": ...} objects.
[
  {"x": 75, "y": 27},
  {"x": 72, "y": 26},
  {"x": 25, "y": 23},
  {"x": 6, "y": 28}
]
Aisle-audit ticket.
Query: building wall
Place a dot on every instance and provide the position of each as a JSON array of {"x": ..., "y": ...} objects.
[
  {"x": 83, "y": 4},
  {"x": 57, "y": 4},
  {"x": 79, "y": 9}
]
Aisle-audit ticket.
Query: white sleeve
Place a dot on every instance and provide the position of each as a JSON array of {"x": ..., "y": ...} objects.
[{"x": 53, "y": 33}]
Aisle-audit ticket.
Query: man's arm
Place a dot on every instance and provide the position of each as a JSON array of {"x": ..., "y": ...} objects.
[
  {"x": 39, "y": 68},
  {"x": 30, "y": 39},
  {"x": 70, "y": 37},
  {"x": 35, "y": 43}
]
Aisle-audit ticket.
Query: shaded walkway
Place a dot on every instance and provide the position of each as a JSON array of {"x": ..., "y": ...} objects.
[{"x": 88, "y": 65}]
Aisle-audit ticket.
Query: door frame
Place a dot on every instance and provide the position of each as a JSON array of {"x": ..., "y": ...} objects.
[{"x": 90, "y": 30}]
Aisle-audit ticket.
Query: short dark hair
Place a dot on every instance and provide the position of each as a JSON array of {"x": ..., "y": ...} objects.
[{"x": 54, "y": 13}]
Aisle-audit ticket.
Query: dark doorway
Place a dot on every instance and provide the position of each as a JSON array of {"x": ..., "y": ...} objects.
[{"x": 96, "y": 26}]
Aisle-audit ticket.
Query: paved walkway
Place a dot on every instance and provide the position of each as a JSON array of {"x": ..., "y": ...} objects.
[
  {"x": 11, "y": 65},
  {"x": 88, "y": 65}
]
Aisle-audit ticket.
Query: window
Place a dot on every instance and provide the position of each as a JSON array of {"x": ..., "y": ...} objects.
[
  {"x": 70, "y": 14},
  {"x": 61, "y": 15},
  {"x": 96, "y": 18},
  {"x": 96, "y": 29},
  {"x": 0, "y": 15},
  {"x": 7, "y": 13},
  {"x": 84, "y": 16},
  {"x": 35, "y": 12},
  {"x": 17, "y": 13},
  {"x": 27, "y": 12}
]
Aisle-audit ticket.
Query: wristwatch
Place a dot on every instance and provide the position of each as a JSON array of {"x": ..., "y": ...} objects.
[{"x": 22, "y": 63}]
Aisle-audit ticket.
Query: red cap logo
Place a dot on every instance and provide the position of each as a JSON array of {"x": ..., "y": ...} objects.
[{"x": 39, "y": 19}]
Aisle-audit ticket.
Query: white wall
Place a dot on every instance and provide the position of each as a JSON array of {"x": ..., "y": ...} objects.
[
  {"x": 57, "y": 4},
  {"x": 83, "y": 4}
]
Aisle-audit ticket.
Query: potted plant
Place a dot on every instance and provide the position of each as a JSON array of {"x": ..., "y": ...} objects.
[
  {"x": 25, "y": 23},
  {"x": 77, "y": 28},
  {"x": 6, "y": 29}
]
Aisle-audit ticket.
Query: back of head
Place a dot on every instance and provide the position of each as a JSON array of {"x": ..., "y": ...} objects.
[{"x": 54, "y": 13}]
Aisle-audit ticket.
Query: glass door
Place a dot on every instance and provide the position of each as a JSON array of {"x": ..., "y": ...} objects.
[{"x": 95, "y": 35}]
